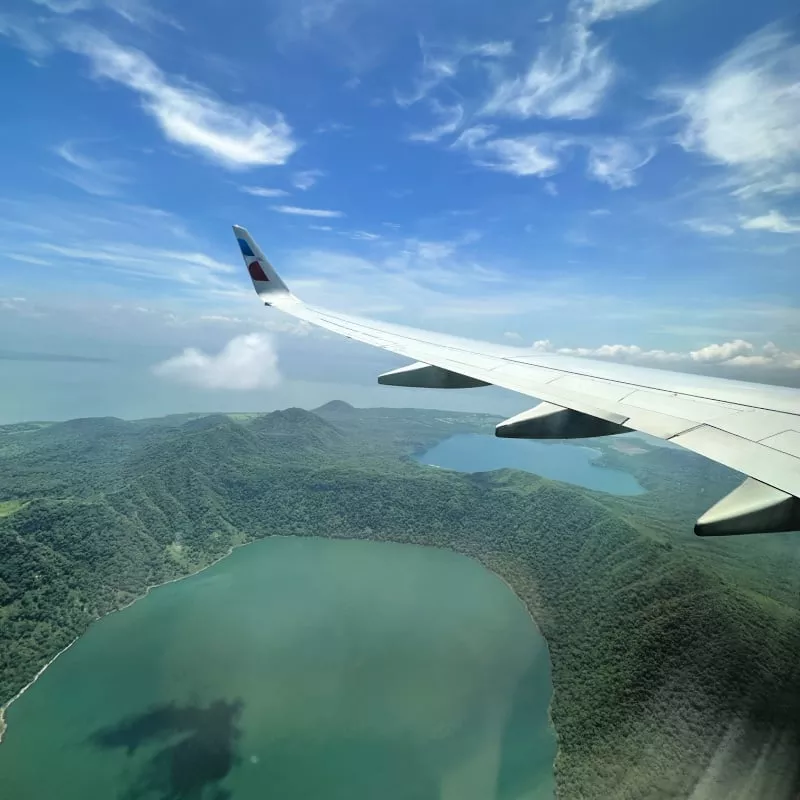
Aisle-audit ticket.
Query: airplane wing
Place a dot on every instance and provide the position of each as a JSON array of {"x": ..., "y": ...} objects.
[{"x": 751, "y": 428}]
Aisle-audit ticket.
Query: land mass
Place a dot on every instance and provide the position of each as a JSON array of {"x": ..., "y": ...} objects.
[{"x": 675, "y": 660}]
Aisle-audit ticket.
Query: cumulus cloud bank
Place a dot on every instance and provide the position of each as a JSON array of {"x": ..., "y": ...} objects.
[
  {"x": 245, "y": 363},
  {"x": 738, "y": 353}
]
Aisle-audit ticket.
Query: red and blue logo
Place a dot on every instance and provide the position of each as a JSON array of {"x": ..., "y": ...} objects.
[
  {"x": 256, "y": 271},
  {"x": 254, "y": 268}
]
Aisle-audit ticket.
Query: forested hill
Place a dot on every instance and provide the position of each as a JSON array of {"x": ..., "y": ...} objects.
[{"x": 675, "y": 661}]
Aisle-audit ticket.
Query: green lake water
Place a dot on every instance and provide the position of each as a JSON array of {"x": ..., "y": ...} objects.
[{"x": 297, "y": 669}]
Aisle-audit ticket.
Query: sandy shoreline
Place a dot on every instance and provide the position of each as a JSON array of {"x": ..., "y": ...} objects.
[
  {"x": 4, "y": 709},
  {"x": 25, "y": 688}
]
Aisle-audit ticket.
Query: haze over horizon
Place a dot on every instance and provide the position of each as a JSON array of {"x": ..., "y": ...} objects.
[{"x": 612, "y": 178}]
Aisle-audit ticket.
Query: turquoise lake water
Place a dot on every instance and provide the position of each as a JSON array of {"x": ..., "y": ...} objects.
[
  {"x": 470, "y": 452},
  {"x": 297, "y": 669}
]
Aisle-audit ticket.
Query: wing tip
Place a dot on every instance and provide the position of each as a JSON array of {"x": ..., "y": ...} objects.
[{"x": 268, "y": 284}]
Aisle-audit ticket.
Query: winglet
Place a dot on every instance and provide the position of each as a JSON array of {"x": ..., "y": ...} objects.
[{"x": 267, "y": 282}]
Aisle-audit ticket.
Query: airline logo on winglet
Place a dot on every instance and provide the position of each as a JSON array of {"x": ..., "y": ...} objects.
[
  {"x": 245, "y": 248},
  {"x": 256, "y": 271},
  {"x": 253, "y": 267}
]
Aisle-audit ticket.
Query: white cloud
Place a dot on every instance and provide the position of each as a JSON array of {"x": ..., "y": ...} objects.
[
  {"x": 615, "y": 161},
  {"x": 310, "y": 14},
  {"x": 306, "y": 178},
  {"x": 475, "y": 136},
  {"x": 599, "y": 212},
  {"x": 26, "y": 259},
  {"x": 513, "y": 336},
  {"x": 188, "y": 114},
  {"x": 179, "y": 265},
  {"x": 611, "y": 161},
  {"x": 320, "y": 228},
  {"x": 26, "y": 35},
  {"x": 441, "y": 63},
  {"x": 263, "y": 191},
  {"x": 450, "y": 119},
  {"x": 527, "y": 155},
  {"x": 307, "y": 212},
  {"x": 717, "y": 353},
  {"x": 245, "y": 363},
  {"x": 774, "y": 221},
  {"x": 537, "y": 154},
  {"x": 364, "y": 236},
  {"x": 137, "y": 12},
  {"x": 736, "y": 353},
  {"x": 492, "y": 49},
  {"x": 746, "y": 113},
  {"x": 551, "y": 188},
  {"x": 101, "y": 177},
  {"x": 568, "y": 78},
  {"x": 595, "y": 10},
  {"x": 12, "y": 303},
  {"x": 65, "y": 6},
  {"x": 785, "y": 183},
  {"x": 221, "y": 318},
  {"x": 708, "y": 227}
]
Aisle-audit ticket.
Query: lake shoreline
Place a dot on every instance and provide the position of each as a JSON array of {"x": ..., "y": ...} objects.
[
  {"x": 146, "y": 592},
  {"x": 4, "y": 708},
  {"x": 547, "y": 645}
]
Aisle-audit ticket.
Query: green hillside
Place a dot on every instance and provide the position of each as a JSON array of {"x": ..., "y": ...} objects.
[{"x": 675, "y": 660}]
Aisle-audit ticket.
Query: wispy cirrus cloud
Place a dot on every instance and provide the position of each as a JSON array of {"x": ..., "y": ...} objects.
[
  {"x": 610, "y": 160},
  {"x": 597, "y": 10},
  {"x": 441, "y": 63},
  {"x": 308, "y": 212},
  {"x": 263, "y": 191},
  {"x": 245, "y": 363},
  {"x": 745, "y": 114},
  {"x": 364, "y": 236},
  {"x": 709, "y": 227},
  {"x": 184, "y": 266},
  {"x": 615, "y": 161},
  {"x": 26, "y": 34},
  {"x": 103, "y": 177},
  {"x": 568, "y": 78},
  {"x": 537, "y": 154},
  {"x": 137, "y": 12},
  {"x": 773, "y": 221},
  {"x": 188, "y": 114},
  {"x": 450, "y": 118},
  {"x": 306, "y": 178}
]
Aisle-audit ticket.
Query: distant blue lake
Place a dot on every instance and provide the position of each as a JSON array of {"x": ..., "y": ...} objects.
[{"x": 471, "y": 452}]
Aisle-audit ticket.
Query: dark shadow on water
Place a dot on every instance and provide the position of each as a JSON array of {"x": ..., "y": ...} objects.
[{"x": 196, "y": 749}]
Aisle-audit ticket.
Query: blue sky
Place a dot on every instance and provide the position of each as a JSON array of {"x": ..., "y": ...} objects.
[{"x": 617, "y": 178}]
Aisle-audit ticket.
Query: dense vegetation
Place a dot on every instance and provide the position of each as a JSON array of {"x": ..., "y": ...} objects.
[{"x": 675, "y": 660}]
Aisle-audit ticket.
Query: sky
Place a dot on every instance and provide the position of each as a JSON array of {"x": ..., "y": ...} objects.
[{"x": 614, "y": 178}]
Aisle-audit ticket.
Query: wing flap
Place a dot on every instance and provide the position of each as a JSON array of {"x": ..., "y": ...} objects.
[{"x": 777, "y": 469}]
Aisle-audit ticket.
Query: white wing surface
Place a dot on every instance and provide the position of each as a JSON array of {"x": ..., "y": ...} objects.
[{"x": 751, "y": 428}]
